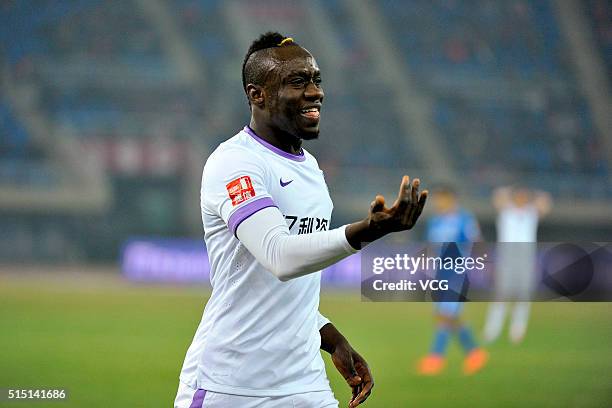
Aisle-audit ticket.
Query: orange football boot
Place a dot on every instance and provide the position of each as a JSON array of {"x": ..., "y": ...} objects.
[
  {"x": 475, "y": 361},
  {"x": 431, "y": 364}
]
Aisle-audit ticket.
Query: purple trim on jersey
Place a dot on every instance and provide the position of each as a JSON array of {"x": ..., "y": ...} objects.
[
  {"x": 247, "y": 210},
  {"x": 198, "y": 399},
  {"x": 295, "y": 157}
]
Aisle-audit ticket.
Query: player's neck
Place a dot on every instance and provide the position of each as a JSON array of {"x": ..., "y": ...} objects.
[{"x": 284, "y": 141}]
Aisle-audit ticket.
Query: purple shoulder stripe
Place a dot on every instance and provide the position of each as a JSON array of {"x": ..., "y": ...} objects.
[
  {"x": 198, "y": 399},
  {"x": 247, "y": 210}
]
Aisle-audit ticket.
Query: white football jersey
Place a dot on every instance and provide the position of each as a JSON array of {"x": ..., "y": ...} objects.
[
  {"x": 258, "y": 336},
  {"x": 518, "y": 224}
]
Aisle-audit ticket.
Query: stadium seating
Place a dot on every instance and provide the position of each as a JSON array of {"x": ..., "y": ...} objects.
[
  {"x": 600, "y": 14},
  {"x": 504, "y": 97}
]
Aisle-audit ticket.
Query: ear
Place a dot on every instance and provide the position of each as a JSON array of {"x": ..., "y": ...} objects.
[{"x": 256, "y": 95}]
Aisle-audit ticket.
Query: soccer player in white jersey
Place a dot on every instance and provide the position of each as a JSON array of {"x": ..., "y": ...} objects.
[
  {"x": 519, "y": 211},
  {"x": 266, "y": 212}
]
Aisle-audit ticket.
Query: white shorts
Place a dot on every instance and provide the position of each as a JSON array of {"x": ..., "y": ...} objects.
[{"x": 188, "y": 397}]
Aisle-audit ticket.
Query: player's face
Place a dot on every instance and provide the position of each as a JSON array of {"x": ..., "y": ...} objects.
[
  {"x": 296, "y": 106},
  {"x": 521, "y": 197},
  {"x": 444, "y": 202}
]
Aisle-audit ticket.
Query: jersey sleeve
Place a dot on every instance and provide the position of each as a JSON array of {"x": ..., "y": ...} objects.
[
  {"x": 472, "y": 228},
  {"x": 321, "y": 320},
  {"x": 287, "y": 256},
  {"x": 429, "y": 229},
  {"x": 234, "y": 187}
]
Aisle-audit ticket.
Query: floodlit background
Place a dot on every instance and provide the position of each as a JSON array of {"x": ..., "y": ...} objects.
[{"x": 108, "y": 110}]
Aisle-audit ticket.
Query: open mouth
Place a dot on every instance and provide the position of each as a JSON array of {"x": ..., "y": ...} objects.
[{"x": 311, "y": 113}]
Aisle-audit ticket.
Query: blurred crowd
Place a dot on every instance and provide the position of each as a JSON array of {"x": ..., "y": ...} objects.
[
  {"x": 504, "y": 97},
  {"x": 503, "y": 90}
]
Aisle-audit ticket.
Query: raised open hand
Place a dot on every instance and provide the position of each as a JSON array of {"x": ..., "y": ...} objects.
[
  {"x": 381, "y": 220},
  {"x": 405, "y": 211}
]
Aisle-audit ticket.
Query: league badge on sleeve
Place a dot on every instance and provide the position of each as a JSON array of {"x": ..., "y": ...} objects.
[{"x": 240, "y": 190}]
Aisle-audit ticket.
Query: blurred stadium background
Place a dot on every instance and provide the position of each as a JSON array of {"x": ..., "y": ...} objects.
[{"x": 108, "y": 110}]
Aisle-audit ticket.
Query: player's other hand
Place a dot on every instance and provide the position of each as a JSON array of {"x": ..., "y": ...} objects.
[
  {"x": 401, "y": 216},
  {"x": 355, "y": 371}
]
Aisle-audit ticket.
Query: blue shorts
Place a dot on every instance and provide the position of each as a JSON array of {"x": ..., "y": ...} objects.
[{"x": 449, "y": 309}]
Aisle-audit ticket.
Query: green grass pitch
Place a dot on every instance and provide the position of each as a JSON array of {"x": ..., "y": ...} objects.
[{"x": 114, "y": 344}]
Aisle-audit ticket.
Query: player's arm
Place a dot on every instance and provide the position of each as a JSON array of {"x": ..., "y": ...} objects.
[
  {"x": 473, "y": 232},
  {"x": 265, "y": 234},
  {"x": 542, "y": 202},
  {"x": 348, "y": 362}
]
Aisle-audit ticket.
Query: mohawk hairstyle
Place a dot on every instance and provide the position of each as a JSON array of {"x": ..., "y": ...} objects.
[{"x": 253, "y": 71}]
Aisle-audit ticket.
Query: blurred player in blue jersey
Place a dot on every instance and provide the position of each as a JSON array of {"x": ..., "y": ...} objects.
[{"x": 456, "y": 228}]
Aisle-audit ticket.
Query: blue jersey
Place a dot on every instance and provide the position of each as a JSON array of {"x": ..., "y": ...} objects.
[
  {"x": 459, "y": 226},
  {"x": 457, "y": 230}
]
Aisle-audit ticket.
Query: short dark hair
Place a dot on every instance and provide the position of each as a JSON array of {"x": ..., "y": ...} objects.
[
  {"x": 253, "y": 68},
  {"x": 445, "y": 188}
]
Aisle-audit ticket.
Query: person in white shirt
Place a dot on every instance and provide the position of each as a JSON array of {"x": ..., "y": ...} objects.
[
  {"x": 519, "y": 211},
  {"x": 266, "y": 212}
]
